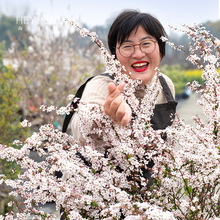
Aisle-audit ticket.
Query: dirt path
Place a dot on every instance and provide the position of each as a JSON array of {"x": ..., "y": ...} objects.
[{"x": 189, "y": 107}]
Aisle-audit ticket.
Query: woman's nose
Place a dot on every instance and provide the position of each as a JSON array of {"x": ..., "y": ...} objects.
[{"x": 138, "y": 52}]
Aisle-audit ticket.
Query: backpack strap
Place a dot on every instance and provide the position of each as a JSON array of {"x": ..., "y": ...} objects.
[{"x": 74, "y": 104}]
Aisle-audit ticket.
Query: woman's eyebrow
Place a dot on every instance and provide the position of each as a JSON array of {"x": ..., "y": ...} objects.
[
  {"x": 143, "y": 38},
  {"x": 147, "y": 37}
]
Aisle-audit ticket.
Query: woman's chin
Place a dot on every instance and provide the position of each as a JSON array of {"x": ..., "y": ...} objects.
[{"x": 145, "y": 77}]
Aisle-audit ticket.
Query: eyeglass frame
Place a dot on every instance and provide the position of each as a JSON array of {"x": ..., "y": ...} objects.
[{"x": 133, "y": 45}]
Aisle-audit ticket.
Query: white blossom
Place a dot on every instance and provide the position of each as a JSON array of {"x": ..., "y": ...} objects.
[{"x": 25, "y": 123}]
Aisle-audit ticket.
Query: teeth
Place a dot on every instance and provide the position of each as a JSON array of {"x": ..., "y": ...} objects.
[{"x": 139, "y": 64}]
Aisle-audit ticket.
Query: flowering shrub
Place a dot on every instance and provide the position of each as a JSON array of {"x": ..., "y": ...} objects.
[
  {"x": 50, "y": 67},
  {"x": 187, "y": 171},
  {"x": 111, "y": 184}
]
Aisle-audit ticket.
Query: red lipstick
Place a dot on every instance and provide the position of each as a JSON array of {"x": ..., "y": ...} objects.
[{"x": 140, "y": 66}]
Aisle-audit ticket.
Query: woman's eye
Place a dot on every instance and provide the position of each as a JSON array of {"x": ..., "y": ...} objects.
[
  {"x": 127, "y": 46},
  {"x": 145, "y": 44}
]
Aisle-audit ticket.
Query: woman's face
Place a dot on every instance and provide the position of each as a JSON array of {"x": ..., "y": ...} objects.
[{"x": 141, "y": 65}]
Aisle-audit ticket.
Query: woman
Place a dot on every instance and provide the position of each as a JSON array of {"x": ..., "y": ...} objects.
[{"x": 134, "y": 38}]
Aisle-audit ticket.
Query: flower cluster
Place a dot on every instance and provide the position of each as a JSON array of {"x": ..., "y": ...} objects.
[
  {"x": 59, "y": 111},
  {"x": 25, "y": 123},
  {"x": 89, "y": 187}
]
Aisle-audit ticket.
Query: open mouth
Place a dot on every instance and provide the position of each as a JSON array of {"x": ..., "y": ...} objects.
[{"x": 140, "y": 66}]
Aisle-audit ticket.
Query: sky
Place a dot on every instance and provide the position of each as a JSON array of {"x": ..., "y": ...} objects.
[{"x": 97, "y": 12}]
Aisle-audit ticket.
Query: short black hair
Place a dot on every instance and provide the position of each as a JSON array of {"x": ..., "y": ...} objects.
[{"x": 129, "y": 20}]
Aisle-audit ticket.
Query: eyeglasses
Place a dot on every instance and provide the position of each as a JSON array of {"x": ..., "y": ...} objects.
[{"x": 127, "y": 49}]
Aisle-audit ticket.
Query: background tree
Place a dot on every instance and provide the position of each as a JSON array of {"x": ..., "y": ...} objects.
[
  {"x": 10, "y": 118},
  {"x": 213, "y": 27},
  {"x": 11, "y": 114},
  {"x": 9, "y": 29},
  {"x": 177, "y": 75}
]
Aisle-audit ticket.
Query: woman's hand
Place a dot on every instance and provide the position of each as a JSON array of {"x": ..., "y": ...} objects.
[{"x": 115, "y": 106}]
